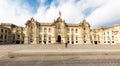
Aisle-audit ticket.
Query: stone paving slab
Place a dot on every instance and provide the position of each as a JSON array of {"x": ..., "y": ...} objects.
[{"x": 63, "y": 52}]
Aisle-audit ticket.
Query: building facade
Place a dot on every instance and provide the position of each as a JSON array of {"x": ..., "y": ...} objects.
[
  {"x": 11, "y": 34},
  {"x": 58, "y": 32}
]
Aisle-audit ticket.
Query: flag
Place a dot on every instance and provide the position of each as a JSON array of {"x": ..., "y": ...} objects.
[{"x": 59, "y": 13}]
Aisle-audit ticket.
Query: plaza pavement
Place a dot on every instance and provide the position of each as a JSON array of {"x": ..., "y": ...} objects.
[
  {"x": 58, "y": 49},
  {"x": 83, "y": 60}
]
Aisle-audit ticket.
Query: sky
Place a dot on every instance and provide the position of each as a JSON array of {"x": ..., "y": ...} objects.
[{"x": 96, "y": 12}]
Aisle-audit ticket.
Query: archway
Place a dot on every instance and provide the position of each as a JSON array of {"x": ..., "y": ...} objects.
[
  {"x": 95, "y": 42},
  {"x": 59, "y": 39}
]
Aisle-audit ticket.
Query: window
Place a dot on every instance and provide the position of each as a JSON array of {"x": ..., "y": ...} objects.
[
  {"x": 76, "y": 41},
  {"x": 68, "y": 30},
  {"x": 45, "y": 37},
  {"x": 40, "y": 41},
  {"x": 84, "y": 41},
  {"x": 112, "y": 37},
  {"x": 49, "y": 38},
  {"x": 98, "y": 41},
  {"x": 76, "y": 30},
  {"x": 45, "y": 29},
  {"x": 104, "y": 41},
  {"x": 5, "y": 31},
  {"x": 71, "y": 37},
  {"x": 2, "y": 30},
  {"x": 84, "y": 28},
  {"x": 13, "y": 36},
  {"x": 84, "y": 37},
  {"x": 68, "y": 38},
  {"x": 59, "y": 29},
  {"x": 5, "y": 36},
  {"x": 1, "y": 36},
  {"x": 112, "y": 41},
  {"x": 76, "y": 38},
  {"x": 49, "y": 41},
  {"x": 49, "y": 29},
  {"x": 40, "y": 37},
  {"x": 104, "y": 33},
  {"x": 18, "y": 36},
  {"x": 72, "y": 30},
  {"x": 32, "y": 29},
  {"x": 95, "y": 37},
  {"x": 1, "y": 41},
  {"x": 40, "y": 29}
]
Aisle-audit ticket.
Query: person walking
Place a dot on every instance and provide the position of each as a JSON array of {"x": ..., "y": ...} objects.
[{"x": 66, "y": 45}]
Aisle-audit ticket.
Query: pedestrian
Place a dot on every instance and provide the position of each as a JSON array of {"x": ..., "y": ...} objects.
[{"x": 66, "y": 44}]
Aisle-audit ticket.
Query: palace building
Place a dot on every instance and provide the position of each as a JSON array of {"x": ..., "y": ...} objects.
[{"x": 58, "y": 32}]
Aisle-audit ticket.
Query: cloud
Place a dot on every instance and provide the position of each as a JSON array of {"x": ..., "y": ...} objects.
[
  {"x": 96, "y": 12},
  {"x": 109, "y": 12},
  {"x": 14, "y": 12}
]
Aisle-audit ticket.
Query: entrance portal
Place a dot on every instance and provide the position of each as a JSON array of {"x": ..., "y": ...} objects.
[
  {"x": 59, "y": 39},
  {"x": 95, "y": 42}
]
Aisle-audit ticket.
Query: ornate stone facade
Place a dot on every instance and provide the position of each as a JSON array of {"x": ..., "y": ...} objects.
[
  {"x": 58, "y": 32},
  {"x": 10, "y": 33}
]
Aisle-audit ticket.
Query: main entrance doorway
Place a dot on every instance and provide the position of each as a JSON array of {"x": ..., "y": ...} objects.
[
  {"x": 95, "y": 42},
  {"x": 59, "y": 39}
]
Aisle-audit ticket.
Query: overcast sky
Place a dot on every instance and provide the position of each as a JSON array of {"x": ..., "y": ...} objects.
[{"x": 96, "y": 12}]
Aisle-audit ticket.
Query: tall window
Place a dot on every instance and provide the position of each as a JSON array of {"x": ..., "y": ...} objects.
[
  {"x": 84, "y": 28},
  {"x": 68, "y": 37},
  {"x": 5, "y": 31},
  {"x": 59, "y": 29},
  {"x": 1, "y": 36},
  {"x": 71, "y": 37},
  {"x": 68, "y": 30},
  {"x": 32, "y": 29},
  {"x": 45, "y": 29},
  {"x": 1, "y": 30},
  {"x": 40, "y": 37},
  {"x": 112, "y": 37},
  {"x": 72, "y": 30},
  {"x": 45, "y": 37},
  {"x": 5, "y": 36},
  {"x": 49, "y": 38},
  {"x": 40, "y": 29},
  {"x": 49, "y": 29},
  {"x": 13, "y": 36},
  {"x": 76, "y": 30},
  {"x": 18, "y": 36},
  {"x": 76, "y": 38}
]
